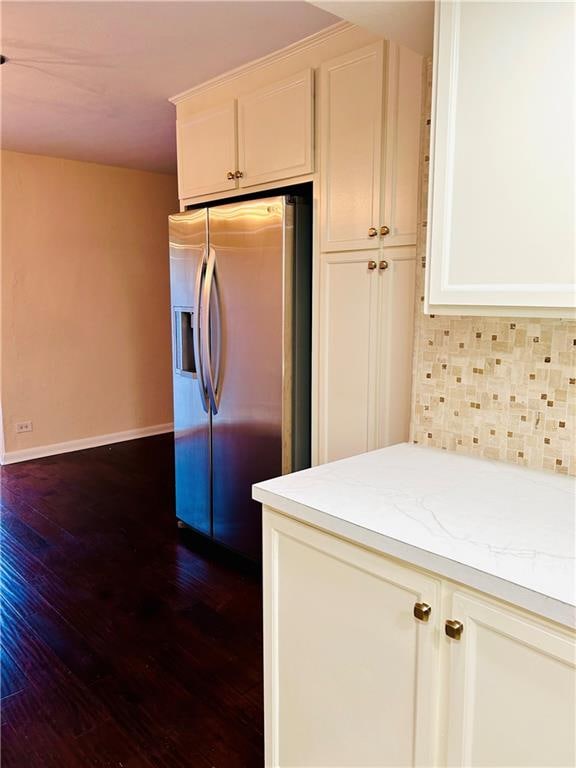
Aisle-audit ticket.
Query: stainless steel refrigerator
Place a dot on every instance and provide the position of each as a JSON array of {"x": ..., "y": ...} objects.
[{"x": 241, "y": 317}]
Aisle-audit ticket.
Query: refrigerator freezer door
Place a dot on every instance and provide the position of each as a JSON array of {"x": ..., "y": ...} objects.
[
  {"x": 249, "y": 241},
  {"x": 188, "y": 255}
]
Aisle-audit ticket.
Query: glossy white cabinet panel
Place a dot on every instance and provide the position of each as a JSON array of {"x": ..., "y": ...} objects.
[
  {"x": 275, "y": 130},
  {"x": 501, "y": 223},
  {"x": 350, "y": 673},
  {"x": 366, "y": 333},
  {"x": 369, "y": 145},
  {"x": 349, "y": 316},
  {"x": 393, "y": 390},
  {"x": 512, "y": 689},
  {"x": 402, "y": 146},
  {"x": 207, "y": 152},
  {"x": 351, "y": 92}
]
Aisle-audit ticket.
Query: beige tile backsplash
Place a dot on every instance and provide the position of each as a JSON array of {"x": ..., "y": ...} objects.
[{"x": 502, "y": 388}]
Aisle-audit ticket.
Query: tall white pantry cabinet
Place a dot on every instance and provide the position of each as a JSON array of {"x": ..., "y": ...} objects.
[
  {"x": 370, "y": 107},
  {"x": 344, "y": 115}
]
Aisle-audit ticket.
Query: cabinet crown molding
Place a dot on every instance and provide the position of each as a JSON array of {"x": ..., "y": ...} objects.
[{"x": 266, "y": 61}]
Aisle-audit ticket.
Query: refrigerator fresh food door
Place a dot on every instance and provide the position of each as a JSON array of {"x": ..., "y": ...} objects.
[
  {"x": 188, "y": 259},
  {"x": 250, "y": 323}
]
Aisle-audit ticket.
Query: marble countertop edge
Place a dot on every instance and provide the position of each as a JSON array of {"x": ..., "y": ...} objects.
[{"x": 467, "y": 575}]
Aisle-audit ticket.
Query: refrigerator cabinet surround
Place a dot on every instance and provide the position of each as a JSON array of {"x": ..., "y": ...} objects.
[{"x": 241, "y": 325}]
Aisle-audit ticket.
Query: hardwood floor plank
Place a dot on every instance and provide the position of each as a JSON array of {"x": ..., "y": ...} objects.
[
  {"x": 108, "y": 746},
  {"x": 127, "y": 643},
  {"x": 15, "y": 753}
]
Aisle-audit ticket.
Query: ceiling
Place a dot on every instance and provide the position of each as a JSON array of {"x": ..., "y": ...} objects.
[
  {"x": 408, "y": 22},
  {"x": 91, "y": 80}
]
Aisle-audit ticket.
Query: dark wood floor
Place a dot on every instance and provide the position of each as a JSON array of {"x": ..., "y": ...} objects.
[{"x": 123, "y": 643}]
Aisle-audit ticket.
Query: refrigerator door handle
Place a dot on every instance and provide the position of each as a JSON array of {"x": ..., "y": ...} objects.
[
  {"x": 202, "y": 388},
  {"x": 208, "y": 325}
]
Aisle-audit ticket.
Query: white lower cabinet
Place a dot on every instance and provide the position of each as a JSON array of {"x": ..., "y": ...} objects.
[
  {"x": 350, "y": 673},
  {"x": 512, "y": 689},
  {"x": 353, "y": 678}
]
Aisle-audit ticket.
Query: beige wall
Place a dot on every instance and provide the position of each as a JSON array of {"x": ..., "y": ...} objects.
[
  {"x": 502, "y": 388},
  {"x": 85, "y": 299}
]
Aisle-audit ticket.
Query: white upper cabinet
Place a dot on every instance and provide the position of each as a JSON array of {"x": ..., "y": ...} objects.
[
  {"x": 270, "y": 139},
  {"x": 351, "y": 148},
  {"x": 402, "y": 146},
  {"x": 370, "y": 127},
  {"x": 207, "y": 152},
  {"x": 501, "y": 223},
  {"x": 275, "y": 131}
]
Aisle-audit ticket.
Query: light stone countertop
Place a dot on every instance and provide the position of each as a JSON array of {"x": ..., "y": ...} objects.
[{"x": 499, "y": 528}]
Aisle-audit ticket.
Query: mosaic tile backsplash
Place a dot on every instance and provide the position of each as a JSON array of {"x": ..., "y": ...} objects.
[{"x": 501, "y": 388}]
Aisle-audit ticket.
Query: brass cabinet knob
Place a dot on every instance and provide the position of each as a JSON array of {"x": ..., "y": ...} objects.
[
  {"x": 238, "y": 175},
  {"x": 454, "y": 629},
  {"x": 230, "y": 175},
  {"x": 384, "y": 230},
  {"x": 372, "y": 232},
  {"x": 383, "y": 264},
  {"x": 372, "y": 265},
  {"x": 422, "y": 611}
]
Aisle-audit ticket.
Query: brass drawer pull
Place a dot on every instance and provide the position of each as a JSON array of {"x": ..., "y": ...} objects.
[
  {"x": 422, "y": 611},
  {"x": 383, "y": 264},
  {"x": 239, "y": 175},
  {"x": 372, "y": 265},
  {"x": 230, "y": 175},
  {"x": 372, "y": 232},
  {"x": 454, "y": 629},
  {"x": 384, "y": 230}
]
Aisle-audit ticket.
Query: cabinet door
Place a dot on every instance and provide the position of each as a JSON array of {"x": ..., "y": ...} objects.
[
  {"x": 501, "y": 207},
  {"x": 395, "y": 324},
  {"x": 351, "y": 148},
  {"x": 350, "y": 674},
  {"x": 512, "y": 690},
  {"x": 207, "y": 152},
  {"x": 402, "y": 146},
  {"x": 348, "y": 306},
  {"x": 275, "y": 131}
]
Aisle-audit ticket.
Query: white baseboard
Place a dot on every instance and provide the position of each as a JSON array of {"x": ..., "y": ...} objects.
[{"x": 37, "y": 452}]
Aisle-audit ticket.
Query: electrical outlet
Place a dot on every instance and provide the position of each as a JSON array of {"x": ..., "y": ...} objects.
[{"x": 23, "y": 426}]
